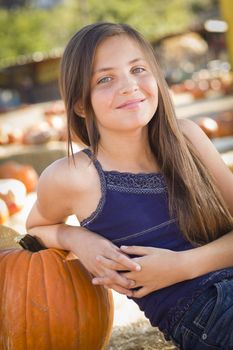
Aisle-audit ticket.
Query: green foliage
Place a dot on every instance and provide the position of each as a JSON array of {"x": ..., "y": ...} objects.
[{"x": 26, "y": 30}]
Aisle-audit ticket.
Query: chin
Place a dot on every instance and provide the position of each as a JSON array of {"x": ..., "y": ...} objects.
[{"x": 135, "y": 126}]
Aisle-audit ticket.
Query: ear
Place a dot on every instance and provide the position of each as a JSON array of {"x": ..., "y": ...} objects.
[{"x": 79, "y": 110}]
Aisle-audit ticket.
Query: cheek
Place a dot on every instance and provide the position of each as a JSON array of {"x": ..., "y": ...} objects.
[
  {"x": 154, "y": 88},
  {"x": 102, "y": 101},
  {"x": 150, "y": 86},
  {"x": 97, "y": 101}
]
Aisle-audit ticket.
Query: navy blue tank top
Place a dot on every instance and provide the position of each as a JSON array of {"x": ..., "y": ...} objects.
[{"x": 133, "y": 210}]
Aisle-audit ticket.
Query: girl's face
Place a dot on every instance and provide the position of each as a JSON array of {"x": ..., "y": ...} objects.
[{"x": 124, "y": 92}]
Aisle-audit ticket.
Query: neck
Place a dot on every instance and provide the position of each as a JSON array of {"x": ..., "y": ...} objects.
[{"x": 127, "y": 152}]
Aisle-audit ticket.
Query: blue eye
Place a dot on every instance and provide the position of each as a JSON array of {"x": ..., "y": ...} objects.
[
  {"x": 104, "y": 80},
  {"x": 138, "y": 70}
]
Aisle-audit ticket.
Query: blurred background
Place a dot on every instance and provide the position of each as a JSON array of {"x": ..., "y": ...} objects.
[{"x": 193, "y": 40}]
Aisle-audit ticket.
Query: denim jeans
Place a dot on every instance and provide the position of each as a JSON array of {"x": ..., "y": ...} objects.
[{"x": 208, "y": 324}]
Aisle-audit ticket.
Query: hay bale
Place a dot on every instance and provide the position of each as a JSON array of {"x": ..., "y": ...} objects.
[
  {"x": 138, "y": 336},
  {"x": 9, "y": 238}
]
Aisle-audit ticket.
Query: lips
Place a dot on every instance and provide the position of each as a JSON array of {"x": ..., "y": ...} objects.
[{"x": 131, "y": 103}]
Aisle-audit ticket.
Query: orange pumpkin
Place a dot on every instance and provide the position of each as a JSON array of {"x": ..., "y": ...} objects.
[
  {"x": 225, "y": 123},
  {"x": 48, "y": 302},
  {"x": 4, "y": 212},
  {"x": 13, "y": 192},
  {"x": 209, "y": 126},
  {"x": 23, "y": 172}
]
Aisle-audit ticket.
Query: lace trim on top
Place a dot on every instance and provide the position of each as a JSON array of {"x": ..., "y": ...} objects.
[
  {"x": 135, "y": 183},
  {"x": 126, "y": 182}
]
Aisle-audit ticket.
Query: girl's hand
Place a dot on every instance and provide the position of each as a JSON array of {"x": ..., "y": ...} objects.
[
  {"x": 159, "y": 268},
  {"x": 104, "y": 259}
]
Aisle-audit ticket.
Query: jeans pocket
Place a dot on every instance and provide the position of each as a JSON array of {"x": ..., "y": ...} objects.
[
  {"x": 215, "y": 318},
  {"x": 207, "y": 314},
  {"x": 208, "y": 324},
  {"x": 192, "y": 341}
]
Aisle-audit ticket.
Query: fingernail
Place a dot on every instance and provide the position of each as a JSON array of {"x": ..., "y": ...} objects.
[
  {"x": 124, "y": 247},
  {"x": 138, "y": 268}
]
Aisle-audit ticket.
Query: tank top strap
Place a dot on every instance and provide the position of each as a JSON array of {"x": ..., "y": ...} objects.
[
  {"x": 103, "y": 187},
  {"x": 95, "y": 161},
  {"x": 98, "y": 167}
]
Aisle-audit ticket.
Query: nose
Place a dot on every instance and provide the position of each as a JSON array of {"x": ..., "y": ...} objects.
[{"x": 128, "y": 85}]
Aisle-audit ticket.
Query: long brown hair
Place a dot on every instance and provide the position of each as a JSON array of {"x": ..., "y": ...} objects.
[{"x": 193, "y": 197}]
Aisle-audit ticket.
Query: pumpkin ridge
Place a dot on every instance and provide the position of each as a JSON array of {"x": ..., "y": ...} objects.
[
  {"x": 67, "y": 265},
  {"x": 107, "y": 319},
  {"x": 84, "y": 277},
  {"x": 3, "y": 292},
  {"x": 84, "y": 281},
  {"x": 9, "y": 271},
  {"x": 57, "y": 258},
  {"x": 26, "y": 299},
  {"x": 102, "y": 297},
  {"x": 99, "y": 307},
  {"x": 97, "y": 293},
  {"x": 107, "y": 322},
  {"x": 39, "y": 254}
]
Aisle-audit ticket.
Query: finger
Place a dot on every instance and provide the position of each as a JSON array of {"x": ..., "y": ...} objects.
[
  {"x": 133, "y": 276},
  {"x": 136, "y": 250},
  {"x": 121, "y": 290},
  {"x": 129, "y": 275},
  {"x": 125, "y": 261},
  {"x": 116, "y": 287},
  {"x": 110, "y": 264},
  {"x": 140, "y": 292},
  {"x": 117, "y": 279}
]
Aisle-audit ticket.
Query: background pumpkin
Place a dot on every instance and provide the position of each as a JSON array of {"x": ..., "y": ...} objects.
[
  {"x": 49, "y": 303},
  {"x": 4, "y": 212},
  {"x": 23, "y": 172},
  {"x": 13, "y": 192}
]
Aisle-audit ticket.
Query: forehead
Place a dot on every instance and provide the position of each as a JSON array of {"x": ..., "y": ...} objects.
[{"x": 117, "y": 49}]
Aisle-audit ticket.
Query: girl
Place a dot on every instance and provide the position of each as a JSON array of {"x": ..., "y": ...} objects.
[{"x": 152, "y": 195}]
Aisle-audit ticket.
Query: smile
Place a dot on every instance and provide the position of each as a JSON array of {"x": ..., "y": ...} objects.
[{"x": 131, "y": 104}]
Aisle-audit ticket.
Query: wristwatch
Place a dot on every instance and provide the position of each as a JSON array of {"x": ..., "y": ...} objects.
[{"x": 31, "y": 243}]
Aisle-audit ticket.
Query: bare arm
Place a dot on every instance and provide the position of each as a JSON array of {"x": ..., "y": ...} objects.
[
  {"x": 217, "y": 254},
  {"x": 56, "y": 196}
]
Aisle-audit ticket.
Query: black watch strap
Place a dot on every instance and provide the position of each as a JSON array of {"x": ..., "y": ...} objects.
[{"x": 31, "y": 243}]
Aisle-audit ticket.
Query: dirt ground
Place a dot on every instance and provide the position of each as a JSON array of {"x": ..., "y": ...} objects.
[{"x": 138, "y": 336}]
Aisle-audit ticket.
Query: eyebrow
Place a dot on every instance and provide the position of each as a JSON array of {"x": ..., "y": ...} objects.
[{"x": 104, "y": 69}]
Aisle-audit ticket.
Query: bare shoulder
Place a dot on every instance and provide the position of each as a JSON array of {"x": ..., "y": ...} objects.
[
  {"x": 200, "y": 141},
  {"x": 191, "y": 130},
  {"x": 68, "y": 173},
  {"x": 198, "y": 138},
  {"x": 63, "y": 183}
]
